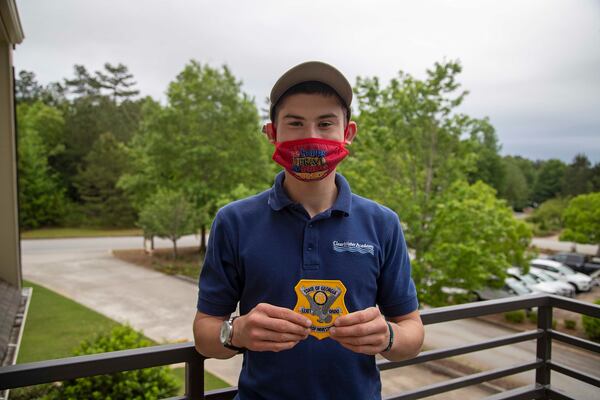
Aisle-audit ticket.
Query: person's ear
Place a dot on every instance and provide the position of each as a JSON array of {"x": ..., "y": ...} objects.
[
  {"x": 269, "y": 130},
  {"x": 351, "y": 131}
]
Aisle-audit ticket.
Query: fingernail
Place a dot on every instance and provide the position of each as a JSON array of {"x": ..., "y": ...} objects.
[
  {"x": 332, "y": 331},
  {"x": 308, "y": 322}
]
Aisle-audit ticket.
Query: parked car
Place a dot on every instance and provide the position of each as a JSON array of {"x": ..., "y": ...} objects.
[
  {"x": 578, "y": 262},
  {"x": 512, "y": 287},
  {"x": 581, "y": 282},
  {"x": 595, "y": 278},
  {"x": 533, "y": 284},
  {"x": 541, "y": 276}
]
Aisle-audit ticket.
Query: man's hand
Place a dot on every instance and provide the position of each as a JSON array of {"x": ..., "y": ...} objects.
[
  {"x": 363, "y": 331},
  {"x": 270, "y": 328}
]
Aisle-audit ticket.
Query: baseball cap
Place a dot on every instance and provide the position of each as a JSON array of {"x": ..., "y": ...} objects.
[{"x": 311, "y": 71}]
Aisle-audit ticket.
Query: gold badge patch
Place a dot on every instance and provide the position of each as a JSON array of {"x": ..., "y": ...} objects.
[{"x": 321, "y": 301}]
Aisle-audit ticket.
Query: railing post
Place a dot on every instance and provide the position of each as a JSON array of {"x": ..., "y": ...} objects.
[
  {"x": 544, "y": 345},
  {"x": 194, "y": 377}
]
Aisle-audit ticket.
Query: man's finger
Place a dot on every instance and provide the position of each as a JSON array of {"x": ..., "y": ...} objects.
[
  {"x": 372, "y": 327},
  {"x": 286, "y": 314},
  {"x": 358, "y": 317},
  {"x": 283, "y": 326}
]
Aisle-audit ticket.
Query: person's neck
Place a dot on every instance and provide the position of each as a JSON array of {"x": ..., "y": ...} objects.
[{"x": 316, "y": 196}]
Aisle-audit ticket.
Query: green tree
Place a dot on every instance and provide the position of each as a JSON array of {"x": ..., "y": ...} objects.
[
  {"x": 489, "y": 167},
  {"x": 148, "y": 383},
  {"x": 205, "y": 141},
  {"x": 515, "y": 189},
  {"x": 118, "y": 81},
  {"x": 90, "y": 113},
  {"x": 409, "y": 149},
  {"x": 582, "y": 220},
  {"x": 549, "y": 180},
  {"x": 414, "y": 154},
  {"x": 578, "y": 177},
  {"x": 595, "y": 177},
  {"x": 491, "y": 240},
  {"x": 41, "y": 197},
  {"x": 27, "y": 88},
  {"x": 83, "y": 84},
  {"x": 167, "y": 214},
  {"x": 105, "y": 204}
]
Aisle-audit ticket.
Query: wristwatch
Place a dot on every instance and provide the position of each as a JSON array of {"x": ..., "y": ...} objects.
[{"x": 227, "y": 334}]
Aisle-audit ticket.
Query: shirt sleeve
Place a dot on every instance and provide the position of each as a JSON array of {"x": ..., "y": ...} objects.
[
  {"x": 396, "y": 293},
  {"x": 219, "y": 282}
]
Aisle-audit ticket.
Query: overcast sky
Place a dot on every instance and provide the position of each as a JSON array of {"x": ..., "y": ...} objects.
[{"x": 532, "y": 67}]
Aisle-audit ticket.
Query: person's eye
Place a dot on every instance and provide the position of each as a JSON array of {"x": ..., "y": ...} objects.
[
  {"x": 295, "y": 123},
  {"x": 325, "y": 124}
]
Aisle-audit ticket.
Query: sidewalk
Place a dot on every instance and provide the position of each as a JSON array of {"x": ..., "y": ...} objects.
[{"x": 552, "y": 243}]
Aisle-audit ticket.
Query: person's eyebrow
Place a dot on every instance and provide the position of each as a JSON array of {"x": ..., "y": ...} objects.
[
  {"x": 330, "y": 115},
  {"x": 293, "y": 116}
]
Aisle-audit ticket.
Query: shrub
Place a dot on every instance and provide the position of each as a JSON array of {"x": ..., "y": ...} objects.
[
  {"x": 532, "y": 317},
  {"x": 547, "y": 218},
  {"x": 591, "y": 326},
  {"x": 30, "y": 392},
  {"x": 570, "y": 324},
  {"x": 515, "y": 317},
  {"x": 148, "y": 383}
]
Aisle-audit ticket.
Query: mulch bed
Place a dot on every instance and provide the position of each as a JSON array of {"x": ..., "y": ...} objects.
[{"x": 187, "y": 263}]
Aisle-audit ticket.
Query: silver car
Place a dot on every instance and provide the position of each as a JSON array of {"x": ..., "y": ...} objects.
[
  {"x": 532, "y": 283},
  {"x": 581, "y": 282},
  {"x": 542, "y": 276}
]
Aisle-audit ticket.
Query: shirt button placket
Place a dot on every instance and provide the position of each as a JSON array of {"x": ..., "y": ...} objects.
[{"x": 310, "y": 246}]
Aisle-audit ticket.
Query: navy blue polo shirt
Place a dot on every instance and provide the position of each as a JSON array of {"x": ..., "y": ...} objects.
[{"x": 258, "y": 250}]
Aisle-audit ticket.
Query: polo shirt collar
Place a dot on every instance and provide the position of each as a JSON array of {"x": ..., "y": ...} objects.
[{"x": 278, "y": 199}]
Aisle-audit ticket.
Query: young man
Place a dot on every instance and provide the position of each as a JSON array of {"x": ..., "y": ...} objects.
[{"x": 322, "y": 276}]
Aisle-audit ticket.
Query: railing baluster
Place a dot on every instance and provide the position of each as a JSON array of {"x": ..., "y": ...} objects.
[
  {"x": 194, "y": 378},
  {"x": 544, "y": 345}
]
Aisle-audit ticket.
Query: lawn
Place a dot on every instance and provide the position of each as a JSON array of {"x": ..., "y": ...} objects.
[
  {"x": 56, "y": 325},
  {"x": 57, "y": 233}
]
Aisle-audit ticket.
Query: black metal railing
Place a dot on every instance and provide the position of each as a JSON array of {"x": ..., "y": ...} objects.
[{"x": 83, "y": 366}]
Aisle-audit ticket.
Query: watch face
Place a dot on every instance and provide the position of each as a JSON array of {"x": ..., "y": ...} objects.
[{"x": 225, "y": 329}]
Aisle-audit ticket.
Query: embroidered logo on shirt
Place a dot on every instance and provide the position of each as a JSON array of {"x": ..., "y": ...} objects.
[
  {"x": 321, "y": 301},
  {"x": 353, "y": 247}
]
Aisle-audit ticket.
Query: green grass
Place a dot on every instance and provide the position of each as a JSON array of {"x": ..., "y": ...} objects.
[
  {"x": 56, "y": 325},
  {"x": 57, "y": 233}
]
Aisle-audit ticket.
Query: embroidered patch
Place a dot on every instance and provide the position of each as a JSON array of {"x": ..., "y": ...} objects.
[
  {"x": 322, "y": 301},
  {"x": 353, "y": 247}
]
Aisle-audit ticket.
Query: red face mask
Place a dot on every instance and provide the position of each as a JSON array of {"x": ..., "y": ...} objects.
[{"x": 309, "y": 159}]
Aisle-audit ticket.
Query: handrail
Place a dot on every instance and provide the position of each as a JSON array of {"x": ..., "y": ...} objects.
[{"x": 97, "y": 364}]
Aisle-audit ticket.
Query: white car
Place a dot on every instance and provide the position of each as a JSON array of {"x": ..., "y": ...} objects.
[
  {"x": 532, "y": 284},
  {"x": 581, "y": 282},
  {"x": 541, "y": 276}
]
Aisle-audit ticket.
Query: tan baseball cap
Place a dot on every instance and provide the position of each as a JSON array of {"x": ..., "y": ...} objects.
[{"x": 311, "y": 71}]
